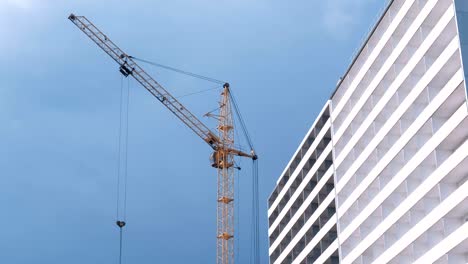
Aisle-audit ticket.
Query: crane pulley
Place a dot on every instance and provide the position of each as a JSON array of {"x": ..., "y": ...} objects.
[{"x": 221, "y": 142}]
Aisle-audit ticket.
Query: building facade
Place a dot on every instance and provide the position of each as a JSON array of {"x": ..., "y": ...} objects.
[{"x": 381, "y": 176}]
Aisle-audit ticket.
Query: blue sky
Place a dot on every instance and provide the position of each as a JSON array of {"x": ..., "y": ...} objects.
[{"x": 59, "y": 110}]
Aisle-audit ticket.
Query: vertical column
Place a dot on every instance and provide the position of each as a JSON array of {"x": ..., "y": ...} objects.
[{"x": 224, "y": 162}]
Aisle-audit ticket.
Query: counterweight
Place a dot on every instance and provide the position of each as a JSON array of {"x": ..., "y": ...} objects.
[{"x": 222, "y": 143}]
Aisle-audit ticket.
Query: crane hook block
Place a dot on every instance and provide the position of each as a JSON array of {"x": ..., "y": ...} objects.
[
  {"x": 120, "y": 223},
  {"x": 125, "y": 71}
]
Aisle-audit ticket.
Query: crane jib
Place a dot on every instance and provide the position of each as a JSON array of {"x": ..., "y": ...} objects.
[{"x": 130, "y": 67}]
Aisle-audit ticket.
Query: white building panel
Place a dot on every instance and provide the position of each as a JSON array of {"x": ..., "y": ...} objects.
[{"x": 381, "y": 176}]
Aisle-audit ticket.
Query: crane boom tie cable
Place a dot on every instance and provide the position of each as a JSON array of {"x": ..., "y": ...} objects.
[
  {"x": 198, "y": 92},
  {"x": 179, "y": 70}
]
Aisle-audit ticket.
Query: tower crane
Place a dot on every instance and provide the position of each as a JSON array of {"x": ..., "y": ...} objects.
[{"x": 221, "y": 142}]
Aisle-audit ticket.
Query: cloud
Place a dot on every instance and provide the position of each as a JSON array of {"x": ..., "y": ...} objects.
[
  {"x": 23, "y": 4},
  {"x": 341, "y": 17}
]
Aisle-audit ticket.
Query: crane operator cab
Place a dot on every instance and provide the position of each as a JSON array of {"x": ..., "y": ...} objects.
[{"x": 219, "y": 160}]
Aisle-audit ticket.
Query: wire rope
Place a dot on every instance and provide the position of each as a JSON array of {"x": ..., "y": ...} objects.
[
  {"x": 122, "y": 163},
  {"x": 179, "y": 71},
  {"x": 198, "y": 92},
  {"x": 126, "y": 150},
  {"x": 119, "y": 150}
]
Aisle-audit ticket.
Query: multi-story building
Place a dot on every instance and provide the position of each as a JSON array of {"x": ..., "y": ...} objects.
[{"x": 381, "y": 177}]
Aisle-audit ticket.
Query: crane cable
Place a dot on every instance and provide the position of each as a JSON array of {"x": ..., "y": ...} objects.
[
  {"x": 179, "y": 70},
  {"x": 217, "y": 87},
  {"x": 255, "y": 257},
  {"x": 122, "y": 164},
  {"x": 241, "y": 120},
  {"x": 255, "y": 249}
]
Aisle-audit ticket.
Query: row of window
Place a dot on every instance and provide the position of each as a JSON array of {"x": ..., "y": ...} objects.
[
  {"x": 299, "y": 156},
  {"x": 303, "y": 196},
  {"x": 315, "y": 228},
  {"x": 302, "y": 174}
]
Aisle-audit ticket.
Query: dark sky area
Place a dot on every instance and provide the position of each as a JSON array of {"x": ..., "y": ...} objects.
[{"x": 59, "y": 116}]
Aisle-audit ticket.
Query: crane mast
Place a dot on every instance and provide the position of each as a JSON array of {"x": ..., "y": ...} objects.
[
  {"x": 224, "y": 163},
  {"x": 222, "y": 143}
]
